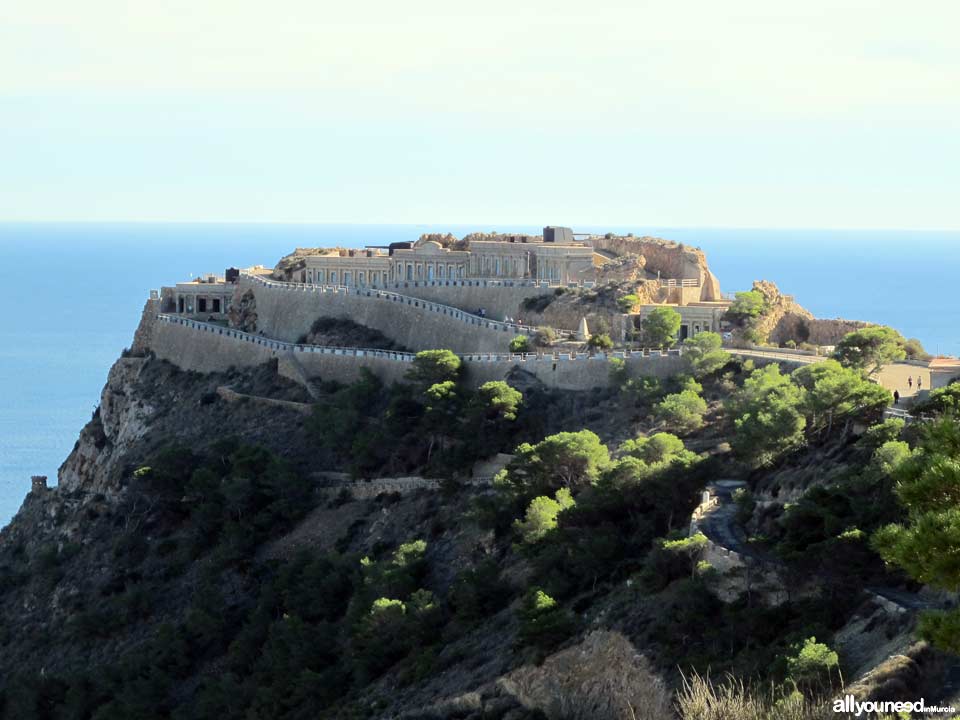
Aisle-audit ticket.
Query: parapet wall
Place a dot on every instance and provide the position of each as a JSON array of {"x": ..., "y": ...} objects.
[
  {"x": 202, "y": 347},
  {"x": 499, "y": 298},
  {"x": 287, "y": 311}
]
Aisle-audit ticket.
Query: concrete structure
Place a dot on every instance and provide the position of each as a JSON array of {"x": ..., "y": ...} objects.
[
  {"x": 695, "y": 318},
  {"x": 206, "y": 297}
]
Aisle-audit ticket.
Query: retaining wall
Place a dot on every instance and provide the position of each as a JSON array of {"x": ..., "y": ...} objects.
[
  {"x": 287, "y": 311},
  {"x": 499, "y": 298},
  {"x": 202, "y": 347}
]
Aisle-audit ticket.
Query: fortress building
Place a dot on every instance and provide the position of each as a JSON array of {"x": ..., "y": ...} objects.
[{"x": 554, "y": 257}]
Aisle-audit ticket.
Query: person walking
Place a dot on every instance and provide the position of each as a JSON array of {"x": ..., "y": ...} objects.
[
  {"x": 896, "y": 397},
  {"x": 910, "y": 382},
  {"x": 919, "y": 383}
]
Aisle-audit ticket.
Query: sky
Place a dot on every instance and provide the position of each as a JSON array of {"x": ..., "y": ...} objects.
[{"x": 745, "y": 113}]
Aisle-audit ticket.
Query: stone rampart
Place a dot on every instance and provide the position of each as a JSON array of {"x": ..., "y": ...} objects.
[
  {"x": 288, "y": 310},
  {"x": 203, "y": 347},
  {"x": 499, "y": 298}
]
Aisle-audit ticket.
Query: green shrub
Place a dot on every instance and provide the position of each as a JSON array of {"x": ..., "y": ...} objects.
[
  {"x": 543, "y": 623},
  {"x": 682, "y": 411},
  {"x": 600, "y": 341},
  {"x": 520, "y": 344}
]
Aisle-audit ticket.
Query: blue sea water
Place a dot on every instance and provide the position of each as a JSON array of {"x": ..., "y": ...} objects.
[{"x": 71, "y": 297}]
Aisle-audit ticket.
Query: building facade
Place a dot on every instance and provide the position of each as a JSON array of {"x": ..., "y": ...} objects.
[{"x": 511, "y": 257}]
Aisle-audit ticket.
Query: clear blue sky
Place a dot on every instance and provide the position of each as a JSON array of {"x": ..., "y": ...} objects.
[{"x": 825, "y": 113}]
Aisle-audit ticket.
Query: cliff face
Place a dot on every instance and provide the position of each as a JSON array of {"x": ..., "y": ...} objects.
[
  {"x": 786, "y": 320},
  {"x": 670, "y": 259},
  {"x": 121, "y": 421}
]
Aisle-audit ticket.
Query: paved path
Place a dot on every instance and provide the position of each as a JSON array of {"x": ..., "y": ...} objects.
[{"x": 894, "y": 377}]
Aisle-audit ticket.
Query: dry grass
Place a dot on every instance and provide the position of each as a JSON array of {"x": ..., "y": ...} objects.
[{"x": 702, "y": 699}]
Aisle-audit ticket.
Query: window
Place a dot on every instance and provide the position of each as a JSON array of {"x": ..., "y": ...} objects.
[
  {"x": 201, "y": 305},
  {"x": 430, "y": 271},
  {"x": 216, "y": 305},
  {"x": 361, "y": 277},
  {"x": 333, "y": 277},
  {"x": 347, "y": 277}
]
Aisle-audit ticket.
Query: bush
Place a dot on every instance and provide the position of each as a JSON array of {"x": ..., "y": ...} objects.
[
  {"x": 682, "y": 412},
  {"x": 538, "y": 303},
  {"x": 747, "y": 306},
  {"x": 704, "y": 354},
  {"x": 660, "y": 327},
  {"x": 541, "y": 515},
  {"x": 520, "y": 344},
  {"x": 627, "y": 303},
  {"x": 543, "y": 623},
  {"x": 601, "y": 341},
  {"x": 544, "y": 337},
  {"x": 813, "y": 664}
]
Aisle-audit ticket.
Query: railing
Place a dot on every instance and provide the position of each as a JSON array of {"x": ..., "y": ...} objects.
[
  {"x": 679, "y": 282},
  {"x": 455, "y": 313},
  {"x": 272, "y": 344},
  {"x": 398, "y": 356}
]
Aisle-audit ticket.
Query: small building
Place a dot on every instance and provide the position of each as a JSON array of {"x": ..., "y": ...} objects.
[
  {"x": 206, "y": 297},
  {"x": 694, "y": 319}
]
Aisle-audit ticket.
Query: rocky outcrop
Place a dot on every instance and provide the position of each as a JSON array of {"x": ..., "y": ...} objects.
[
  {"x": 786, "y": 320},
  {"x": 290, "y": 264},
  {"x": 148, "y": 319},
  {"x": 597, "y": 305},
  {"x": 447, "y": 240},
  {"x": 602, "y": 677},
  {"x": 118, "y": 424},
  {"x": 243, "y": 311},
  {"x": 670, "y": 259}
]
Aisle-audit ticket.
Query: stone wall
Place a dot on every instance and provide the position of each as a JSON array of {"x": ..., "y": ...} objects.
[
  {"x": 288, "y": 311},
  {"x": 197, "y": 346},
  {"x": 500, "y": 300}
]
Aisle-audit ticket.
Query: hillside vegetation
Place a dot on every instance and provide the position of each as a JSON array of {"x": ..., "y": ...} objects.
[{"x": 221, "y": 574}]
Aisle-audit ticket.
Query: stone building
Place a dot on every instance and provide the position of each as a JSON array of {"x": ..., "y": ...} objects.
[
  {"x": 204, "y": 297},
  {"x": 556, "y": 257},
  {"x": 695, "y": 318}
]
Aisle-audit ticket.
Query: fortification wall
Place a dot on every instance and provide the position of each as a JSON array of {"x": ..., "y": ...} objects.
[
  {"x": 200, "y": 347},
  {"x": 287, "y": 311},
  {"x": 204, "y": 348},
  {"x": 499, "y": 299}
]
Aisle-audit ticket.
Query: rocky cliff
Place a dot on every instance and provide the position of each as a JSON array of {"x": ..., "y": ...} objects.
[
  {"x": 669, "y": 259},
  {"x": 786, "y": 320}
]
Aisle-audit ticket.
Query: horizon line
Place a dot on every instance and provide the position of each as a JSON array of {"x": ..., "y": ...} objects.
[{"x": 748, "y": 228}]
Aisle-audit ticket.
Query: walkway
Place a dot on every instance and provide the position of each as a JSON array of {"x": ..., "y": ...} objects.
[{"x": 894, "y": 377}]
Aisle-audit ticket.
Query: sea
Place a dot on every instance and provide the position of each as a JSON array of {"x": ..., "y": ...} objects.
[{"x": 71, "y": 295}]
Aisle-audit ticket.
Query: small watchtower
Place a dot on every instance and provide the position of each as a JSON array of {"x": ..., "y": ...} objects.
[{"x": 38, "y": 483}]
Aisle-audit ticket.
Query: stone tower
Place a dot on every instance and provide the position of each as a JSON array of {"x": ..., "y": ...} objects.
[{"x": 38, "y": 483}]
